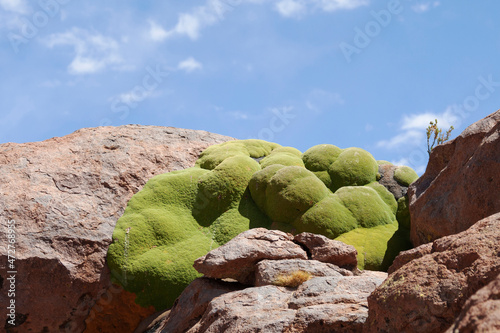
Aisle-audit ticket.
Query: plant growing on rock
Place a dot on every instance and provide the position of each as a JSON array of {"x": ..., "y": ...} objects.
[
  {"x": 238, "y": 185},
  {"x": 292, "y": 279},
  {"x": 435, "y": 135}
]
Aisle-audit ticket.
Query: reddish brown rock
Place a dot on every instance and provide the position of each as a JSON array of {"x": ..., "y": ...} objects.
[
  {"x": 460, "y": 185},
  {"x": 324, "y": 249},
  {"x": 428, "y": 293},
  {"x": 65, "y": 195},
  {"x": 406, "y": 256},
  {"x": 481, "y": 313},
  {"x": 237, "y": 258}
]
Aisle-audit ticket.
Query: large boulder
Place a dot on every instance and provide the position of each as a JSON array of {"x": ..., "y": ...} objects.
[
  {"x": 428, "y": 292},
  {"x": 245, "y": 184},
  {"x": 65, "y": 196},
  {"x": 460, "y": 185}
]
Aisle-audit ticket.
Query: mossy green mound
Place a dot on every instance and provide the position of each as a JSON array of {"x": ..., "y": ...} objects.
[{"x": 180, "y": 216}]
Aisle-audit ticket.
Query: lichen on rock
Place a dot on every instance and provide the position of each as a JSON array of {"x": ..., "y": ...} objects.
[{"x": 239, "y": 185}]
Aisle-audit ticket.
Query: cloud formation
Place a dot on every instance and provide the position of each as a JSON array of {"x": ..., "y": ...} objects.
[
  {"x": 189, "y": 65},
  {"x": 93, "y": 51},
  {"x": 412, "y": 128},
  {"x": 16, "y": 6}
]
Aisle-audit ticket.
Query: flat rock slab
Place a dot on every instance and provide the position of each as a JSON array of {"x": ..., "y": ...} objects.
[
  {"x": 322, "y": 304},
  {"x": 269, "y": 271}
]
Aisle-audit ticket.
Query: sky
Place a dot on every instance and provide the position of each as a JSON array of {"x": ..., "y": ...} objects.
[{"x": 353, "y": 73}]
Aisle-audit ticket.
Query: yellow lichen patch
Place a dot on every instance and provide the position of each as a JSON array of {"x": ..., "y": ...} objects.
[{"x": 292, "y": 279}]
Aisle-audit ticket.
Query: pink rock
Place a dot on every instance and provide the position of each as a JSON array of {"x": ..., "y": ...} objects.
[
  {"x": 65, "y": 195},
  {"x": 461, "y": 184}
]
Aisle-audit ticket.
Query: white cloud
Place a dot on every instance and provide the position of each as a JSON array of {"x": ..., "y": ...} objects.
[
  {"x": 291, "y": 8},
  {"x": 406, "y": 138},
  {"x": 333, "y": 5},
  {"x": 412, "y": 130},
  {"x": 190, "y": 24},
  {"x": 424, "y": 7},
  {"x": 190, "y": 64},
  {"x": 156, "y": 32},
  {"x": 238, "y": 115},
  {"x": 93, "y": 52},
  {"x": 17, "y": 6}
]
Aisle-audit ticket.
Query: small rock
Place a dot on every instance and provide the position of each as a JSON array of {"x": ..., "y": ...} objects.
[{"x": 327, "y": 250}]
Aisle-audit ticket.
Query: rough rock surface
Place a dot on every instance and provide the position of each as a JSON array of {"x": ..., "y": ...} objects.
[
  {"x": 65, "y": 195},
  {"x": 237, "y": 258},
  {"x": 428, "y": 293},
  {"x": 268, "y": 271},
  {"x": 481, "y": 313},
  {"x": 322, "y": 304},
  {"x": 386, "y": 172},
  {"x": 460, "y": 185},
  {"x": 324, "y": 249}
]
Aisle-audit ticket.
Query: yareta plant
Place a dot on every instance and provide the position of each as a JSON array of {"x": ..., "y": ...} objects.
[{"x": 237, "y": 185}]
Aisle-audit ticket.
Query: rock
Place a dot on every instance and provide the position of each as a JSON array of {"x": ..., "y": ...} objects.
[
  {"x": 269, "y": 271},
  {"x": 335, "y": 290},
  {"x": 481, "y": 312},
  {"x": 427, "y": 294},
  {"x": 330, "y": 251},
  {"x": 322, "y": 304},
  {"x": 406, "y": 256},
  {"x": 324, "y": 299},
  {"x": 237, "y": 258},
  {"x": 191, "y": 305},
  {"x": 460, "y": 185},
  {"x": 390, "y": 182},
  {"x": 65, "y": 195}
]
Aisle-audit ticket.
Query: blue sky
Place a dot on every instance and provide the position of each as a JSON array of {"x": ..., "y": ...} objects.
[{"x": 353, "y": 73}]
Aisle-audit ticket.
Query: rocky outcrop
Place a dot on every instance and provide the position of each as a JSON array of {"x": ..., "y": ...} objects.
[
  {"x": 237, "y": 258},
  {"x": 65, "y": 195},
  {"x": 481, "y": 313},
  {"x": 427, "y": 294},
  {"x": 460, "y": 185},
  {"x": 326, "y": 299}
]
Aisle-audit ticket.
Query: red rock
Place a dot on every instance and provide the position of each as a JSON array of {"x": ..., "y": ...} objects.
[
  {"x": 327, "y": 250},
  {"x": 427, "y": 294},
  {"x": 65, "y": 195},
  {"x": 481, "y": 312},
  {"x": 460, "y": 185},
  {"x": 237, "y": 258}
]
